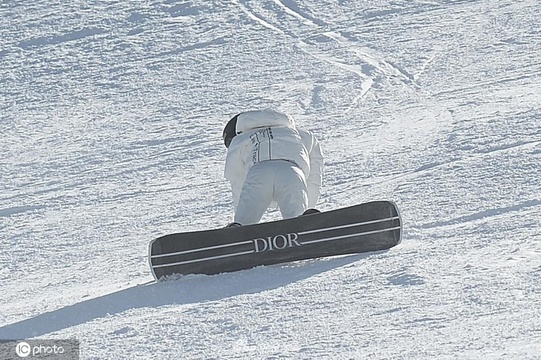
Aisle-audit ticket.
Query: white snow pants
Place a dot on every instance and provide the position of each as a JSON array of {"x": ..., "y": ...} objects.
[{"x": 278, "y": 180}]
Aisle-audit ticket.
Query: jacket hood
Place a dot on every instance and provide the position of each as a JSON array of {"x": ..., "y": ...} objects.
[{"x": 250, "y": 120}]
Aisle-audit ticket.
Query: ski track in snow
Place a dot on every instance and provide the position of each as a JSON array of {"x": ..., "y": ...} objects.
[{"x": 111, "y": 115}]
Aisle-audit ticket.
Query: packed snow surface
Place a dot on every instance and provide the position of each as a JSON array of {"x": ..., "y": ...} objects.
[{"x": 111, "y": 119}]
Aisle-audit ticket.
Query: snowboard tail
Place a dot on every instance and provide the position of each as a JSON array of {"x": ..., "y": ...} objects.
[{"x": 362, "y": 228}]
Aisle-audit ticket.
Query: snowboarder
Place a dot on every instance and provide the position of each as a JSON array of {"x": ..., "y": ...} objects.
[{"x": 269, "y": 160}]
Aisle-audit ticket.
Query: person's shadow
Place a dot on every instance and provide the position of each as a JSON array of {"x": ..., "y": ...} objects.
[{"x": 186, "y": 290}]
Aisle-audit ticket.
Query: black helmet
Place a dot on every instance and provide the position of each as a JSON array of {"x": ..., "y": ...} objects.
[{"x": 230, "y": 131}]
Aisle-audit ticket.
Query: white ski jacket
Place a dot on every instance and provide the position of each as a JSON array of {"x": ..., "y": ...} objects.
[{"x": 271, "y": 135}]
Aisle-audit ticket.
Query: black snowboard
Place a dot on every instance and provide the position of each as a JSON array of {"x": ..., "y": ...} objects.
[{"x": 366, "y": 227}]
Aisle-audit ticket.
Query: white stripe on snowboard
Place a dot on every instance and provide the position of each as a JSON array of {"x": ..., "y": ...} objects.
[
  {"x": 202, "y": 249},
  {"x": 204, "y": 259},
  {"x": 348, "y": 236},
  {"x": 348, "y": 225}
]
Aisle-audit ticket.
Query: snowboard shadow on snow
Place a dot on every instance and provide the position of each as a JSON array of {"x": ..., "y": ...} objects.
[{"x": 186, "y": 290}]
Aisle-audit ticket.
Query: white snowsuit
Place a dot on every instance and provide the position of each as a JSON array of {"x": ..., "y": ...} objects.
[{"x": 272, "y": 160}]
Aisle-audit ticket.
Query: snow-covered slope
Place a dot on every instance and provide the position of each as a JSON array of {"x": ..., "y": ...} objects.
[{"x": 111, "y": 118}]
